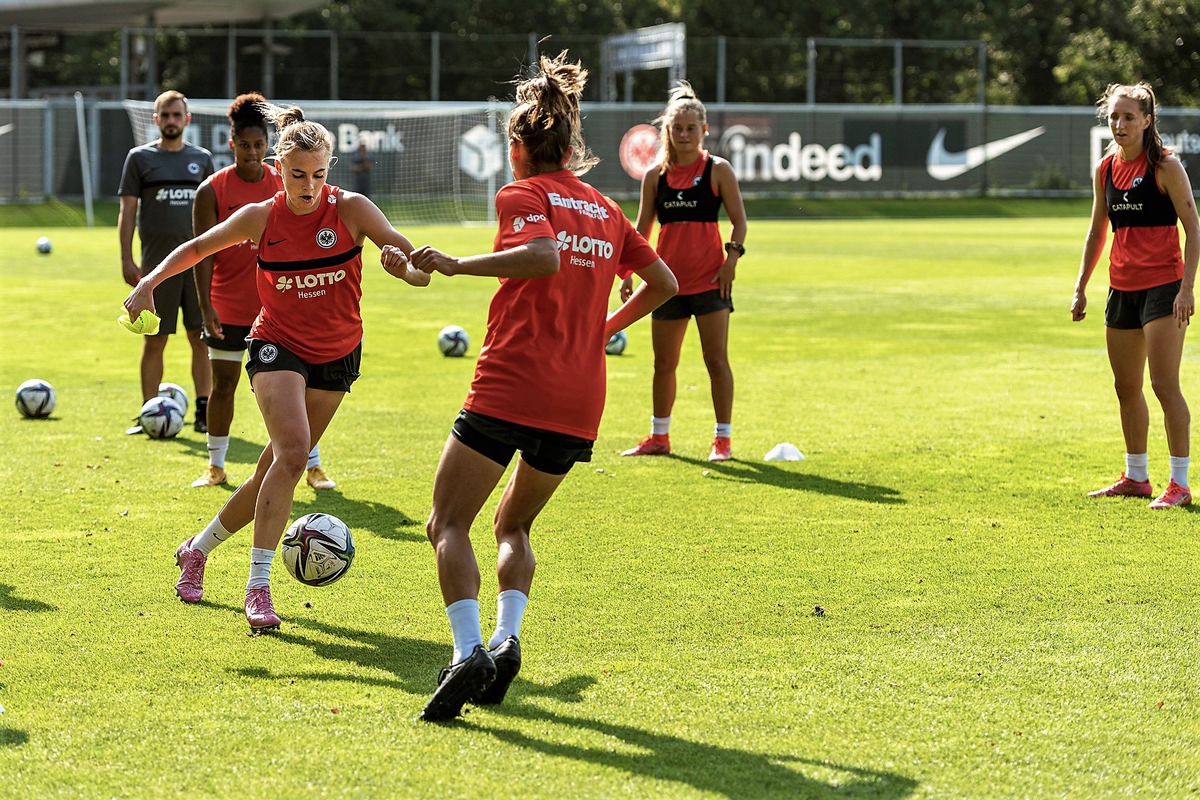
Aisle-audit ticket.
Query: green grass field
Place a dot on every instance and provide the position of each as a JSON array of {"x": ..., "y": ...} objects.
[{"x": 988, "y": 631}]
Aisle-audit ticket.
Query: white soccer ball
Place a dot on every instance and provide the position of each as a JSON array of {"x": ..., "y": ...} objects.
[
  {"x": 318, "y": 549},
  {"x": 44, "y": 246},
  {"x": 175, "y": 392},
  {"x": 616, "y": 343},
  {"x": 453, "y": 341},
  {"x": 161, "y": 418},
  {"x": 35, "y": 399}
]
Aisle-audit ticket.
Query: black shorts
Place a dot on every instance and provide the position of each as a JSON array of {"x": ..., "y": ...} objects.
[
  {"x": 176, "y": 292},
  {"x": 497, "y": 439},
  {"x": 1130, "y": 311},
  {"x": 332, "y": 376},
  {"x": 682, "y": 306},
  {"x": 234, "y": 341}
]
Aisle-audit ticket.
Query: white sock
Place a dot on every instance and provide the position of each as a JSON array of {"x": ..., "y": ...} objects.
[
  {"x": 260, "y": 567},
  {"x": 218, "y": 446},
  {"x": 660, "y": 426},
  {"x": 464, "y": 627},
  {"x": 510, "y": 610},
  {"x": 314, "y": 457},
  {"x": 1179, "y": 469},
  {"x": 213, "y": 534},
  {"x": 724, "y": 430},
  {"x": 1137, "y": 466}
]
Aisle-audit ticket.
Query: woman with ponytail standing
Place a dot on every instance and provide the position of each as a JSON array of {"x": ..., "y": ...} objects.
[
  {"x": 539, "y": 381},
  {"x": 1142, "y": 191},
  {"x": 309, "y": 238},
  {"x": 685, "y": 191}
]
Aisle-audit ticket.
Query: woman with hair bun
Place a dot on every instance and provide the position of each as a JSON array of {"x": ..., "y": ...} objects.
[
  {"x": 226, "y": 282},
  {"x": 1142, "y": 191},
  {"x": 539, "y": 382},
  {"x": 685, "y": 192},
  {"x": 309, "y": 238}
]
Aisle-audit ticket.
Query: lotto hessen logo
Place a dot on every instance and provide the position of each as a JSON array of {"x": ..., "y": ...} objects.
[
  {"x": 309, "y": 281},
  {"x": 584, "y": 246},
  {"x": 175, "y": 196}
]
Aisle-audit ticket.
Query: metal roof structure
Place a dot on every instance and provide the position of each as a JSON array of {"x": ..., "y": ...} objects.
[{"x": 62, "y": 15}]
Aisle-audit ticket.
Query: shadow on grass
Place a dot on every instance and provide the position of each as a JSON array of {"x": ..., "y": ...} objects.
[
  {"x": 11, "y": 737},
  {"x": 766, "y": 472},
  {"x": 724, "y": 771},
  {"x": 10, "y": 602},
  {"x": 415, "y": 663},
  {"x": 380, "y": 519}
]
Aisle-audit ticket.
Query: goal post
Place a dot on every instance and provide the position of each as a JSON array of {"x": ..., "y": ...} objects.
[{"x": 431, "y": 163}]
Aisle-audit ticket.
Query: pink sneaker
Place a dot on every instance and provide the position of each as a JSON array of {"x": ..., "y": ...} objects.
[
  {"x": 1124, "y": 487},
  {"x": 1175, "y": 495},
  {"x": 722, "y": 449},
  {"x": 656, "y": 444},
  {"x": 260, "y": 612},
  {"x": 190, "y": 586}
]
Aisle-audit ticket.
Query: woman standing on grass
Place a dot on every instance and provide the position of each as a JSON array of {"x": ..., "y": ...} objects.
[
  {"x": 539, "y": 383},
  {"x": 685, "y": 191},
  {"x": 1144, "y": 192},
  {"x": 226, "y": 283},
  {"x": 310, "y": 239}
]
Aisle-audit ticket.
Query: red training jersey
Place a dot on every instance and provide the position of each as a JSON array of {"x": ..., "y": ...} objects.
[
  {"x": 542, "y": 360},
  {"x": 1145, "y": 251},
  {"x": 689, "y": 235},
  {"x": 234, "y": 279},
  {"x": 309, "y": 281}
]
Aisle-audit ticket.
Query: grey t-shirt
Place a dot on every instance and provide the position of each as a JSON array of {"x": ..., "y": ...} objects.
[{"x": 165, "y": 183}]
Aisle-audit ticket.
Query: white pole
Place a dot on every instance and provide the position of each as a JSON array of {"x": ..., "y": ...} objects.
[{"x": 84, "y": 162}]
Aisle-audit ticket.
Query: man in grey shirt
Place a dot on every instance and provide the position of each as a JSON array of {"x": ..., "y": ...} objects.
[{"x": 157, "y": 187}]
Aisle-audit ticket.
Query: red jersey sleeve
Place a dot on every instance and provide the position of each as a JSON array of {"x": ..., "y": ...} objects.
[
  {"x": 636, "y": 253},
  {"x": 522, "y": 214}
]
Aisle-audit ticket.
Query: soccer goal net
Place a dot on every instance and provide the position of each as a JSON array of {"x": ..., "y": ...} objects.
[{"x": 429, "y": 163}]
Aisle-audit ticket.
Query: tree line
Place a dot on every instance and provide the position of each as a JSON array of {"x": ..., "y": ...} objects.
[{"x": 1040, "y": 52}]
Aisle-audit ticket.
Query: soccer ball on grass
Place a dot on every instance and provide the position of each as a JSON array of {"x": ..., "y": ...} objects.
[
  {"x": 44, "y": 246},
  {"x": 161, "y": 418},
  {"x": 318, "y": 549},
  {"x": 174, "y": 392},
  {"x": 35, "y": 399},
  {"x": 616, "y": 343},
  {"x": 453, "y": 341}
]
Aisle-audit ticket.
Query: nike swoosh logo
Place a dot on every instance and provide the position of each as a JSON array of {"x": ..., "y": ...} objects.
[
  {"x": 235, "y": 205},
  {"x": 943, "y": 165},
  {"x": 271, "y": 243},
  {"x": 6, "y": 128}
]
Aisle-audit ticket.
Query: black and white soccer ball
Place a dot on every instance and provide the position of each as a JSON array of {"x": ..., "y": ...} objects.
[
  {"x": 35, "y": 399},
  {"x": 616, "y": 343},
  {"x": 161, "y": 418},
  {"x": 453, "y": 341},
  {"x": 175, "y": 392},
  {"x": 318, "y": 549},
  {"x": 43, "y": 246}
]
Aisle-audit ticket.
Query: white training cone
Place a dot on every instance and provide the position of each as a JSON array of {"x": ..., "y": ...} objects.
[{"x": 785, "y": 451}]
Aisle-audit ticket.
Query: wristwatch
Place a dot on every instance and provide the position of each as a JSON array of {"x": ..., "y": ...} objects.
[{"x": 738, "y": 246}]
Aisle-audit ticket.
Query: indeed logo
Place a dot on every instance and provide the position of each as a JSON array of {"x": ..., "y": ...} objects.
[
  {"x": 388, "y": 140},
  {"x": 795, "y": 161},
  {"x": 585, "y": 207},
  {"x": 309, "y": 281}
]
